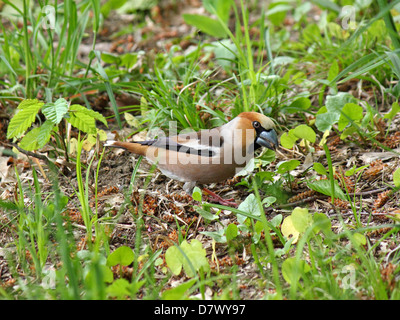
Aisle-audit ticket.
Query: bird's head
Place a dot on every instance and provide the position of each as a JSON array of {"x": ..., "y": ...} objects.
[{"x": 264, "y": 129}]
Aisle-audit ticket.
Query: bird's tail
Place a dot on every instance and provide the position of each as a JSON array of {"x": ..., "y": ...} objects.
[{"x": 130, "y": 146}]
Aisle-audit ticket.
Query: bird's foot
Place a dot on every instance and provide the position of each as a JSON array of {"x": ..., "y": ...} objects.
[{"x": 213, "y": 197}]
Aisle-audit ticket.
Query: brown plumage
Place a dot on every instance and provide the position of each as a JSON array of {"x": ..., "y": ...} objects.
[{"x": 207, "y": 156}]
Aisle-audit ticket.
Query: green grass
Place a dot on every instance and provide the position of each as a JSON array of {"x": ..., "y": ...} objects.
[{"x": 238, "y": 69}]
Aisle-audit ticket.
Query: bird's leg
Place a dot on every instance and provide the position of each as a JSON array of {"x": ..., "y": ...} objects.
[{"x": 213, "y": 197}]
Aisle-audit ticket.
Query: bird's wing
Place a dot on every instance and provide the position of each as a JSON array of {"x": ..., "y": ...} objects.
[{"x": 206, "y": 143}]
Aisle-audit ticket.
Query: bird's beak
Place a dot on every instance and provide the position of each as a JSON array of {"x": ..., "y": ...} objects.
[{"x": 268, "y": 139}]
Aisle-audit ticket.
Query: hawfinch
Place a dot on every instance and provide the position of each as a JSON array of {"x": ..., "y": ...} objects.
[{"x": 207, "y": 156}]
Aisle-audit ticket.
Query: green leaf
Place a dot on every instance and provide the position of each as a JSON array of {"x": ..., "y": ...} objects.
[
  {"x": 196, "y": 255},
  {"x": 295, "y": 224},
  {"x": 218, "y": 236},
  {"x": 319, "y": 168},
  {"x": 293, "y": 269},
  {"x": 324, "y": 187},
  {"x": 8, "y": 205},
  {"x": 325, "y": 121},
  {"x": 359, "y": 239},
  {"x": 122, "y": 255},
  {"x": 259, "y": 226},
  {"x": 93, "y": 114},
  {"x": 299, "y": 104},
  {"x": 173, "y": 258},
  {"x": 231, "y": 231},
  {"x": 287, "y": 166},
  {"x": 300, "y": 132},
  {"x": 396, "y": 177},
  {"x": 334, "y": 106},
  {"x": 30, "y": 141},
  {"x": 178, "y": 293},
  {"x": 111, "y": 5},
  {"x": 28, "y": 103},
  {"x": 350, "y": 112},
  {"x": 322, "y": 223},
  {"x": 349, "y": 131},
  {"x": 45, "y": 133},
  {"x": 277, "y": 220},
  {"x": 301, "y": 219},
  {"x": 192, "y": 257},
  {"x": 205, "y": 24},
  {"x": 219, "y": 7},
  {"x": 82, "y": 122},
  {"x": 107, "y": 275},
  {"x": 268, "y": 201},
  {"x": 56, "y": 111},
  {"x": 119, "y": 288},
  {"x": 23, "y": 119},
  {"x": 277, "y": 12},
  {"x": 196, "y": 195},
  {"x": 288, "y": 230},
  {"x": 333, "y": 71},
  {"x": 304, "y": 132},
  {"x": 250, "y": 206},
  {"x": 393, "y": 111},
  {"x": 288, "y": 140},
  {"x": 207, "y": 214},
  {"x": 354, "y": 170},
  {"x": 335, "y": 103}
]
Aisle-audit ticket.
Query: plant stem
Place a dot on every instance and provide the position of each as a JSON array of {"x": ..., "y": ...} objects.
[{"x": 27, "y": 52}]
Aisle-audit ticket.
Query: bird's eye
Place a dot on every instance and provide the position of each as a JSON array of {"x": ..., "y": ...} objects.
[{"x": 256, "y": 124}]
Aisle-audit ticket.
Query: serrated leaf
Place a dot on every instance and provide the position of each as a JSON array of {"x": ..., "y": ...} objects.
[
  {"x": 45, "y": 133},
  {"x": 56, "y": 111},
  {"x": 83, "y": 122},
  {"x": 30, "y": 141},
  {"x": 28, "y": 103},
  {"x": 24, "y": 118},
  {"x": 93, "y": 114}
]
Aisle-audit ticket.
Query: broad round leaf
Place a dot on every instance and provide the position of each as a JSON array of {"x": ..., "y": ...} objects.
[{"x": 122, "y": 255}]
